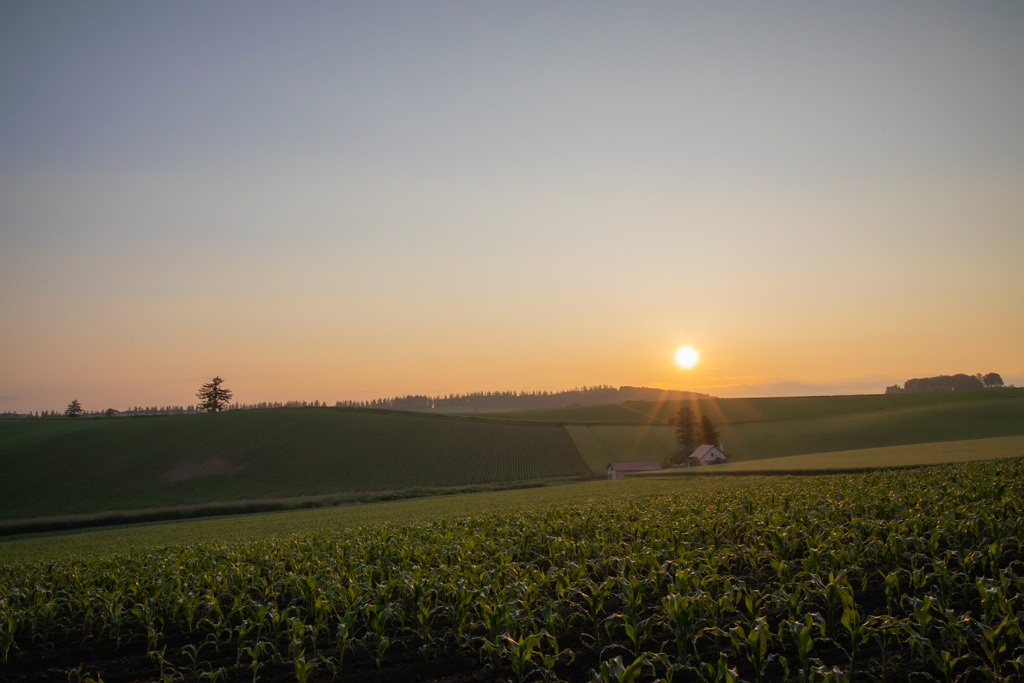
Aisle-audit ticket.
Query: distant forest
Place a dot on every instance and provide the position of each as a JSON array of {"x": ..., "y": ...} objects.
[
  {"x": 498, "y": 401},
  {"x": 477, "y": 402},
  {"x": 958, "y": 382},
  {"x": 167, "y": 410}
]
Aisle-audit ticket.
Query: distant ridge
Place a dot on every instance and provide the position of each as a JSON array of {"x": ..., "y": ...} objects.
[
  {"x": 476, "y": 402},
  {"x": 499, "y": 401}
]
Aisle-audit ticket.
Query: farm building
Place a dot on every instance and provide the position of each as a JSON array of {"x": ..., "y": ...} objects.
[
  {"x": 617, "y": 470},
  {"x": 707, "y": 455}
]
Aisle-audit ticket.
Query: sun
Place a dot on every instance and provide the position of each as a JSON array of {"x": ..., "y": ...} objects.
[{"x": 687, "y": 357}]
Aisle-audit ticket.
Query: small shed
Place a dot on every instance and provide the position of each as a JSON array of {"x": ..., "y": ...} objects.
[
  {"x": 707, "y": 455},
  {"x": 617, "y": 470}
]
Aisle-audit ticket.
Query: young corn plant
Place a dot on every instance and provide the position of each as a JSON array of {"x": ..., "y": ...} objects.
[
  {"x": 518, "y": 653},
  {"x": 752, "y": 600},
  {"x": 617, "y": 671},
  {"x": 214, "y": 675},
  {"x": 378, "y": 634},
  {"x": 498, "y": 619},
  {"x": 255, "y": 653},
  {"x": 837, "y": 593},
  {"x": 594, "y": 599},
  {"x": 829, "y": 674},
  {"x": 791, "y": 597},
  {"x": 81, "y": 676},
  {"x": 632, "y": 594},
  {"x": 159, "y": 657},
  {"x": 303, "y": 667},
  {"x": 802, "y": 633},
  {"x": 666, "y": 669},
  {"x": 192, "y": 654},
  {"x": 946, "y": 663},
  {"x": 884, "y": 630},
  {"x": 719, "y": 672},
  {"x": 638, "y": 630},
  {"x": 343, "y": 635},
  {"x": 754, "y": 645},
  {"x": 553, "y": 656},
  {"x": 996, "y": 644},
  {"x": 7, "y": 630},
  {"x": 682, "y": 617},
  {"x": 856, "y": 628}
]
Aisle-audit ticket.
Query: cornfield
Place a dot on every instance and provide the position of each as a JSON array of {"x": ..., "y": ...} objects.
[{"x": 884, "y": 576}]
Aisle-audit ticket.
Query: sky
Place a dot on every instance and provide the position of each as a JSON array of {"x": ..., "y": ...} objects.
[{"x": 342, "y": 201}]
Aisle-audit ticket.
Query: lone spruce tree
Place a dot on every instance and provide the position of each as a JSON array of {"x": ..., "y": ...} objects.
[
  {"x": 74, "y": 409},
  {"x": 686, "y": 431},
  {"x": 213, "y": 398}
]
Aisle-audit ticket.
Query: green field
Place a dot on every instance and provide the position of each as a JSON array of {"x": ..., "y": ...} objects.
[
  {"x": 888, "y": 575},
  {"x": 857, "y": 576},
  {"x": 914, "y": 455},
  {"x": 63, "y": 467},
  {"x": 109, "y": 471},
  {"x": 251, "y": 526},
  {"x": 743, "y": 410},
  {"x": 600, "y": 444},
  {"x": 632, "y": 413},
  {"x": 247, "y": 527},
  {"x": 797, "y": 426}
]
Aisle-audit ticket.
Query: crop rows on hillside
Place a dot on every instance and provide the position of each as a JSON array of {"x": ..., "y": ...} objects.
[
  {"x": 124, "y": 464},
  {"x": 993, "y": 403},
  {"x": 434, "y": 452},
  {"x": 816, "y": 425},
  {"x": 856, "y": 577},
  {"x": 600, "y": 444},
  {"x": 773, "y": 409}
]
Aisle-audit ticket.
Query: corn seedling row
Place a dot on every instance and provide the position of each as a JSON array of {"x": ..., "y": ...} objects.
[{"x": 837, "y": 578}]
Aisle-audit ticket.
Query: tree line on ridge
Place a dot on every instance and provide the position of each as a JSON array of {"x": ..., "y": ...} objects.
[{"x": 958, "y": 382}]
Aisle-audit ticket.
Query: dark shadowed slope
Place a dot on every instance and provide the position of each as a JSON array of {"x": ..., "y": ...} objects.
[{"x": 50, "y": 467}]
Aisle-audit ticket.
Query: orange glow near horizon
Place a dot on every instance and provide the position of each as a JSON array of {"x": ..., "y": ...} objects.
[{"x": 410, "y": 234}]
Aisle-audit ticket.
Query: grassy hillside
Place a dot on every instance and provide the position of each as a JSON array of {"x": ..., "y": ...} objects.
[
  {"x": 888, "y": 426},
  {"x": 240, "y": 528},
  {"x": 59, "y": 467},
  {"x": 632, "y": 413},
  {"x": 914, "y": 455},
  {"x": 600, "y": 444},
  {"x": 743, "y": 410},
  {"x": 239, "y": 459},
  {"x": 797, "y": 426}
]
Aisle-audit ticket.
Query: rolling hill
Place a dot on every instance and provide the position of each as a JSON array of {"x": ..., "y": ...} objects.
[
  {"x": 754, "y": 429},
  {"x": 68, "y": 466},
  {"x": 249, "y": 460}
]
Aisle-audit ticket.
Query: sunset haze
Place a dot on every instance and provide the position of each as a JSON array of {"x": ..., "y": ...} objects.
[{"x": 348, "y": 201}]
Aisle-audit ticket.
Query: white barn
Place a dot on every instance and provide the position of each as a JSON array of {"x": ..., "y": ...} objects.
[
  {"x": 707, "y": 455},
  {"x": 617, "y": 470}
]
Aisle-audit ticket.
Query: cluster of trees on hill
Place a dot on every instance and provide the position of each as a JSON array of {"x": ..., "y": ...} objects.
[
  {"x": 174, "y": 410},
  {"x": 692, "y": 430},
  {"x": 214, "y": 397},
  {"x": 497, "y": 401},
  {"x": 79, "y": 411},
  {"x": 278, "y": 404},
  {"x": 162, "y": 410},
  {"x": 959, "y": 382},
  {"x": 157, "y": 410}
]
